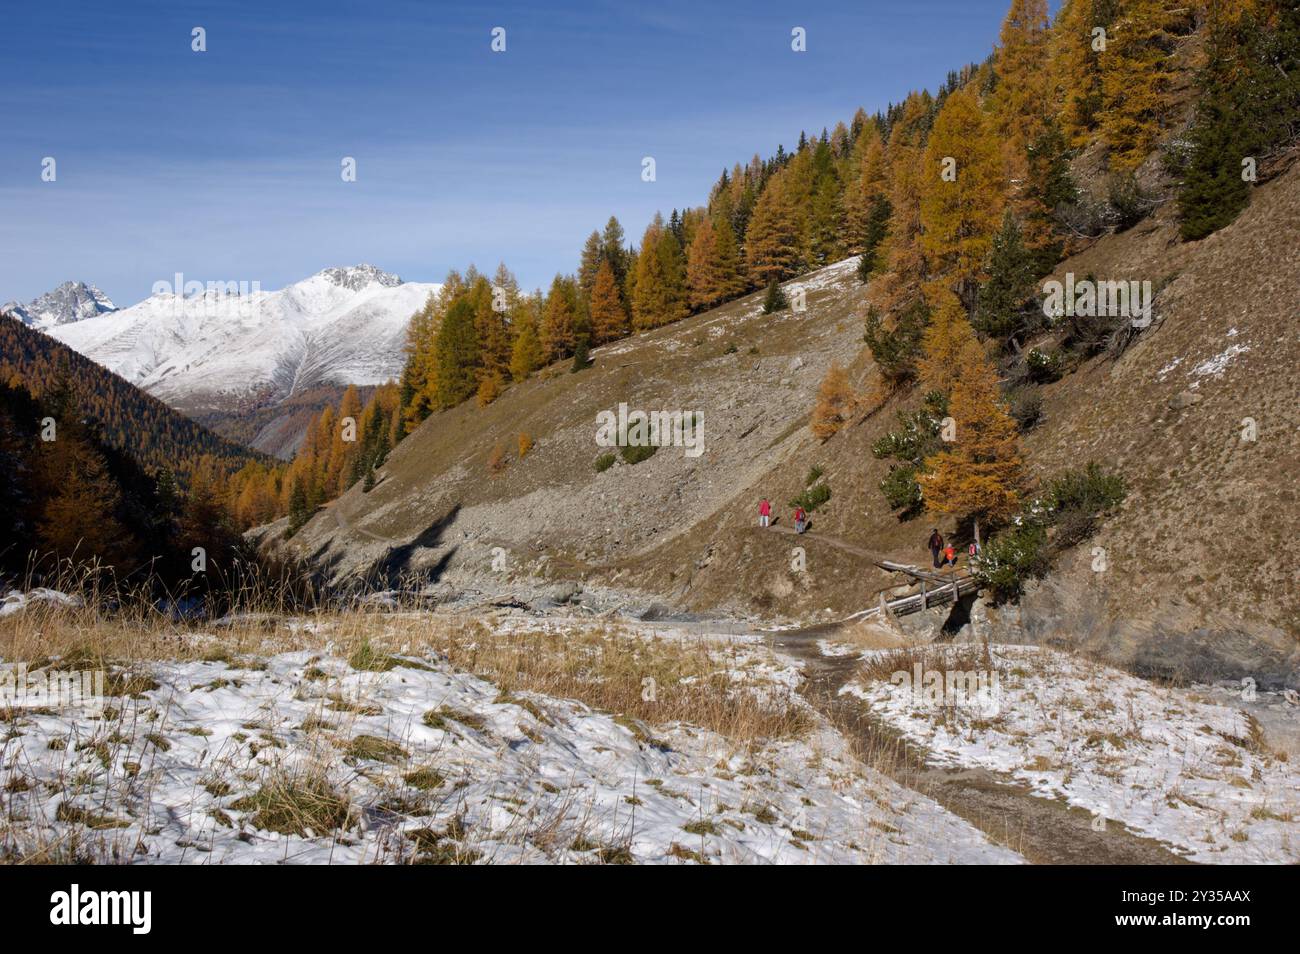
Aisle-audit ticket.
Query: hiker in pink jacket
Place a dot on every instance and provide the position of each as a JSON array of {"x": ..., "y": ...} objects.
[{"x": 764, "y": 513}]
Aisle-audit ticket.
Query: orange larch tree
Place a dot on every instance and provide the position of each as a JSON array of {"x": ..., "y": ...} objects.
[
  {"x": 981, "y": 474},
  {"x": 961, "y": 193},
  {"x": 1022, "y": 104},
  {"x": 1137, "y": 78},
  {"x": 608, "y": 317},
  {"x": 905, "y": 262},
  {"x": 702, "y": 268},
  {"x": 945, "y": 341},
  {"x": 835, "y": 403},
  {"x": 773, "y": 240}
]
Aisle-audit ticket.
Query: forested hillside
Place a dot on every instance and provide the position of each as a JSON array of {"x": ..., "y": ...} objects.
[
  {"x": 125, "y": 417},
  {"x": 70, "y": 498},
  {"x": 93, "y": 470},
  {"x": 344, "y": 445},
  {"x": 957, "y": 201}
]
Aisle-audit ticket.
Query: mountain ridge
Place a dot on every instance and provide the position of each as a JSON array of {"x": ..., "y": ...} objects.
[
  {"x": 70, "y": 302},
  {"x": 226, "y": 352}
]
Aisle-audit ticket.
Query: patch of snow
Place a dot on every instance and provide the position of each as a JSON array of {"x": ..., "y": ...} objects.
[
  {"x": 1169, "y": 763},
  {"x": 525, "y": 777},
  {"x": 1161, "y": 374},
  {"x": 1215, "y": 366},
  {"x": 828, "y": 648}
]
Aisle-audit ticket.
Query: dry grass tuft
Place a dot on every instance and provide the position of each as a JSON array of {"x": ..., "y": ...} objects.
[
  {"x": 295, "y": 803},
  {"x": 941, "y": 659},
  {"x": 374, "y": 749}
]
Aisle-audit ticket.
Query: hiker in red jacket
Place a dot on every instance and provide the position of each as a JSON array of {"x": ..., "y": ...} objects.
[
  {"x": 764, "y": 513},
  {"x": 800, "y": 520},
  {"x": 949, "y": 555}
]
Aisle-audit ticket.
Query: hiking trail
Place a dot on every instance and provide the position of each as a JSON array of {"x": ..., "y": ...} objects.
[{"x": 1044, "y": 830}]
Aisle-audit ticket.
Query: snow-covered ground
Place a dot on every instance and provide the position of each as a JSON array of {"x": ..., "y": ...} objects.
[
  {"x": 1174, "y": 764},
  {"x": 426, "y": 762}
]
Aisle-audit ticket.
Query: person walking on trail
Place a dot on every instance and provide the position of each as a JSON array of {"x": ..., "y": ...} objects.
[
  {"x": 936, "y": 547},
  {"x": 764, "y": 513},
  {"x": 949, "y": 555},
  {"x": 800, "y": 520}
]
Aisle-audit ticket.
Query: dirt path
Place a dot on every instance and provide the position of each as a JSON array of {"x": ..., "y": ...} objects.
[
  {"x": 823, "y": 538},
  {"x": 342, "y": 523},
  {"x": 1045, "y": 831}
]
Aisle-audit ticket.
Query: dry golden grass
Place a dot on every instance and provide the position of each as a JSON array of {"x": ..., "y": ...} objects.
[
  {"x": 93, "y": 638},
  {"x": 645, "y": 680},
  {"x": 652, "y": 680},
  {"x": 113, "y": 620},
  {"x": 662, "y": 679},
  {"x": 941, "y": 659}
]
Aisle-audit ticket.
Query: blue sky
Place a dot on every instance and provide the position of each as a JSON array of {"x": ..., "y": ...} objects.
[{"x": 225, "y": 165}]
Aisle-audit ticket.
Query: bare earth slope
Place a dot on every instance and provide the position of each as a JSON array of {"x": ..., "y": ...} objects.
[
  {"x": 1200, "y": 581},
  {"x": 1205, "y": 550}
]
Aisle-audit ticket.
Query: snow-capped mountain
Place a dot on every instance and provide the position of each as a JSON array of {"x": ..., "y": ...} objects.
[
  {"x": 233, "y": 346},
  {"x": 70, "y": 302}
]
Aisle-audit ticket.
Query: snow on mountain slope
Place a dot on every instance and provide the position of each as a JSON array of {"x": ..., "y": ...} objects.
[
  {"x": 70, "y": 302},
  {"x": 227, "y": 348}
]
